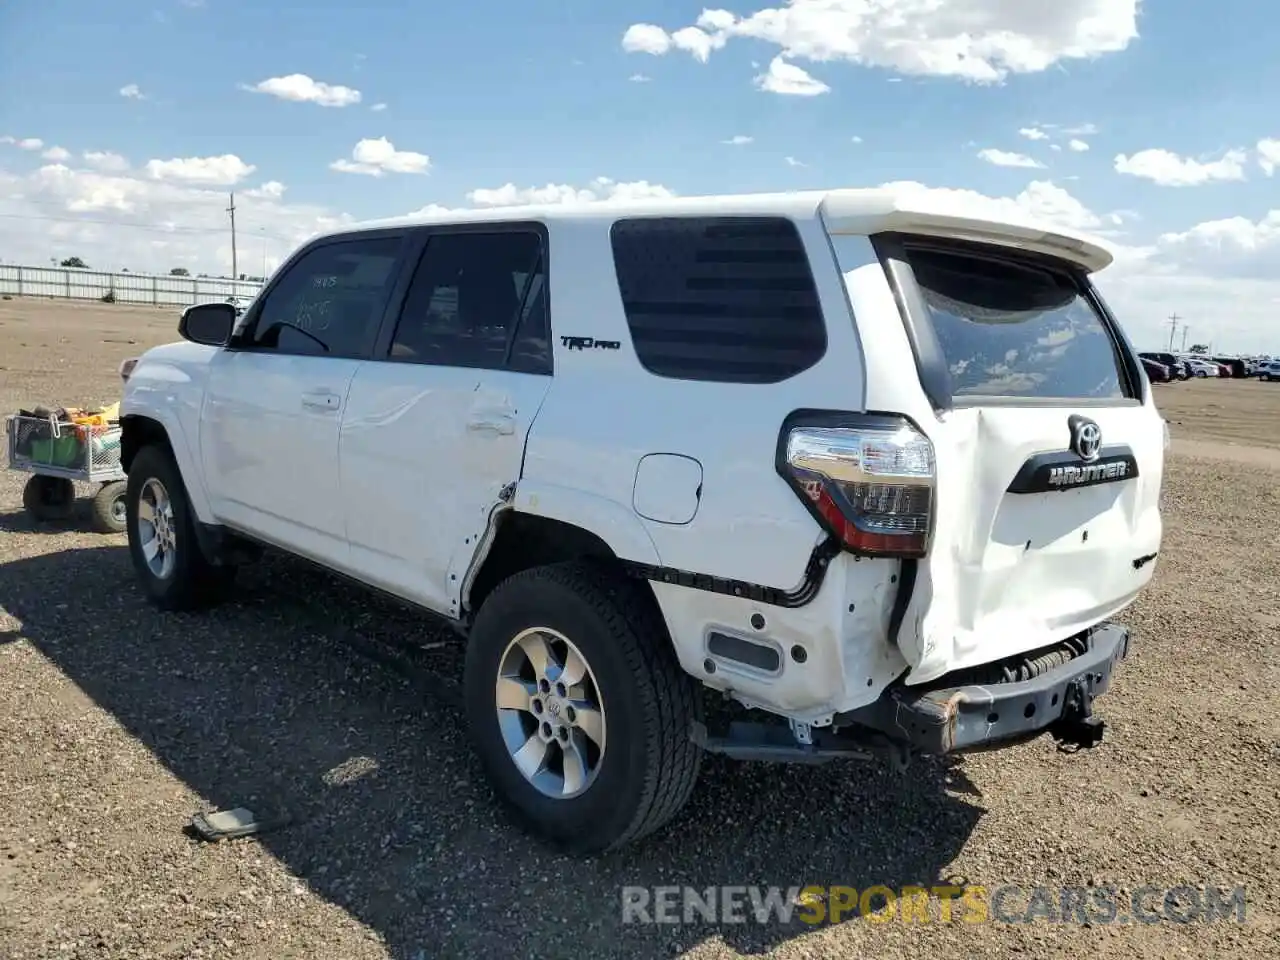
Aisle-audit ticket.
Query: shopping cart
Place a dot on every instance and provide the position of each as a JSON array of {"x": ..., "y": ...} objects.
[{"x": 58, "y": 453}]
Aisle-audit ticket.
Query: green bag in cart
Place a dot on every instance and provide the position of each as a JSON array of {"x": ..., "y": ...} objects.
[{"x": 62, "y": 451}]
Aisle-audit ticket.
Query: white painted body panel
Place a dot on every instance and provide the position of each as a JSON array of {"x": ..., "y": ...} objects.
[
  {"x": 167, "y": 385},
  {"x": 425, "y": 453},
  {"x": 269, "y": 449},
  {"x": 414, "y": 487}
]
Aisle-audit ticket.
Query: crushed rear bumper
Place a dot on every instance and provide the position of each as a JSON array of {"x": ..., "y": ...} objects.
[{"x": 1050, "y": 690}]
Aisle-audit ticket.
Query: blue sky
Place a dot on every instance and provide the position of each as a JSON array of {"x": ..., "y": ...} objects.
[{"x": 1171, "y": 102}]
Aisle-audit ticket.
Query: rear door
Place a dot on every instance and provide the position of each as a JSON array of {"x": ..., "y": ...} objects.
[
  {"x": 435, "y": 425},
  {"x": 1049, "y": 451}
]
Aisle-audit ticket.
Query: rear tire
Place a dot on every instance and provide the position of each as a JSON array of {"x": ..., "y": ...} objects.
[
  {"x": 631, "y": 767},
  {"x": 49, "y": 499},
  {"x": 109, "y": 507},
  {"x": 173, "y": 571}
]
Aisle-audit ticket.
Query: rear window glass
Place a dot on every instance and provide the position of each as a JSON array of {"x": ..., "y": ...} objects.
[
  {"x": 727, "y": 299},
  {"x": 1013, "y": 329}
]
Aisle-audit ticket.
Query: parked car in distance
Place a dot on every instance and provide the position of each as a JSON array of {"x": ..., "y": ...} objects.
[
  {"x": 1270, "y": 370},
  {"x": 1202, "y": 368},
  {"x": 1177, "y": 367},
  {"x": 1156, "y": 372},
  {"x": 1236, "y": 367}
]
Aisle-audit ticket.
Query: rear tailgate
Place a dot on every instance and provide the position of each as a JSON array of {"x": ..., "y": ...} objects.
[{"x": 1048, "y": 448}]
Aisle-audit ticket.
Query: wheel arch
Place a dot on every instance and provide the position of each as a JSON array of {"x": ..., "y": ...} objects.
[
  {"x": 139, "y": 430},
  {"x": 523, "y": 540}
]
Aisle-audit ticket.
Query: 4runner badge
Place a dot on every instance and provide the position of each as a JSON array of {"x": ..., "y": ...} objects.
[{"x": 1086, "y": 437}]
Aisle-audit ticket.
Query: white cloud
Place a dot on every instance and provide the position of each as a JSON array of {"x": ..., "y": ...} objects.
[
  {"x": 1006, "y": 158},
  {"x": 1079, "y": 146},
  {"x": 646, "y": 38},
  {"x": 377, "y": 157},
  {"x": 24, "y": 143},
  {"x": 1081, "y": 130},
  {"x": 601, "y": 189},
  {"x": 57, "y": 154},
  {"x": 793, "y": 162},
  {"x": 1236, "y": 246},
  {"x": 131, "y": 91},
  {"x": 301, "y": 88},
  {"x": 1269, "y": 156},
  {"x": 114, "y": 220},
  {"x": 789, "y": 80},
  {"x": 1170, "y": 170},
  {"x": 1033, "y": 133},
  {"x": 105, "y": 161},
  {"x": 976, "y": 40},
  {"x": 856, "y": 139},
  {"x": 225, "y": 170},
  {"x": 739, "y": 141},
  {"x": 378, "y": 107},
  {"x": 638, "y": 78},
  {"x": 271, "y": 190}
]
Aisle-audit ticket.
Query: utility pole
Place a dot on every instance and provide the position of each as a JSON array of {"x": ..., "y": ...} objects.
[
  {"x": 235, "y": 272},
  {"x": 1185, "y": 328},
  {"x": 1173, "y": 320}
]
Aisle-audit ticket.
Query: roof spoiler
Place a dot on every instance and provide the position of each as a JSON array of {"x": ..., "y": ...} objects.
[{"x": 928, "y": 214}]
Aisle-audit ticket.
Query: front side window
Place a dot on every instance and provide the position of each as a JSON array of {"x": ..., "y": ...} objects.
[
  {"x": 330, "y": 301},
  {"x": 477, "y": 300}
]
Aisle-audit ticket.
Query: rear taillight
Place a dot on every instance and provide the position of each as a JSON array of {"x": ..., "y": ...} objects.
[{"x": 868, "y": 479}]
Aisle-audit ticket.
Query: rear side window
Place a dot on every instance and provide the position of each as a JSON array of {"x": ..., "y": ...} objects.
[
  {"x": 478, "y": 299},
  {"x": 730, "y": 300},
  {"x": 1016, "y": 329}
]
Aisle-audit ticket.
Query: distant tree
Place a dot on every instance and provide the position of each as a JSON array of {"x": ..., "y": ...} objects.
[
  {"x": 179, "y": 272},
  {"x": 1199, "y": 348},
  {"x": 75, "y": 263}
]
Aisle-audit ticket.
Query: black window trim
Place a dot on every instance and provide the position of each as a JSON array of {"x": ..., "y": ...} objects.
[
  {"x": 242, "y": 343},
  {"x": 931, "y": 364},
  {"x": 725, "y": 218},
  {"x": 420, "y": 237}
]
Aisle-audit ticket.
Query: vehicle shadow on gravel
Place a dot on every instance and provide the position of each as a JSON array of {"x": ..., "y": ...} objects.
[{"x": 285, "y": 705}]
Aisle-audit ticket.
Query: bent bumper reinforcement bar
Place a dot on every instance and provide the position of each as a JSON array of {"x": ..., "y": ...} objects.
[{"x": 941, "y": 718}]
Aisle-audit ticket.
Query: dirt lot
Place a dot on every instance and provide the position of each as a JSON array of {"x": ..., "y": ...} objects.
[{"x": 300, "y": 700}]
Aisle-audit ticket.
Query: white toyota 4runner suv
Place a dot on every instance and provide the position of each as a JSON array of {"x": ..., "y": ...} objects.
[{"x": 878, "y": 469}]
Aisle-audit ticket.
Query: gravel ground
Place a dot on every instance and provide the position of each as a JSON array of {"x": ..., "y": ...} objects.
[{"x": 337, "y": 715}]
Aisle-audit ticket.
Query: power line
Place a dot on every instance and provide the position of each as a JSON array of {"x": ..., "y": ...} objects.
[
  {"x": 151, "y": 227},
  {"x": 1173, "y": 326}
]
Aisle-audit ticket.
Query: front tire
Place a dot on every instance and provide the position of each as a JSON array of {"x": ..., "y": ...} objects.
[
  {"x": 166, "y": 555},
  {"x": 578, "y": 708}
]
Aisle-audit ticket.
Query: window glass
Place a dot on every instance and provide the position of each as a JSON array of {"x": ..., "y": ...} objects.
[
  {"x": 468, "y": 293},
  {"x": 531, "y": 350},
  {"x": 726, "y": 299},
  {"x": 1014, "y": 330},
  {"x": 330, "y": 301}
]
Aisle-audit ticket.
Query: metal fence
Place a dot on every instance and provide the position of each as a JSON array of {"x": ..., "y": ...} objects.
[{"x": 65, "y": 283}]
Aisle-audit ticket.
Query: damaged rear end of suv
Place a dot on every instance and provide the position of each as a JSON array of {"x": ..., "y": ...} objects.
[{"x": 1011, "y": 461}]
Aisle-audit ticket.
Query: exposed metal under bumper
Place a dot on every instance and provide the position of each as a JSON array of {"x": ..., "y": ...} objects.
[{"x": 956, "y": 714}]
